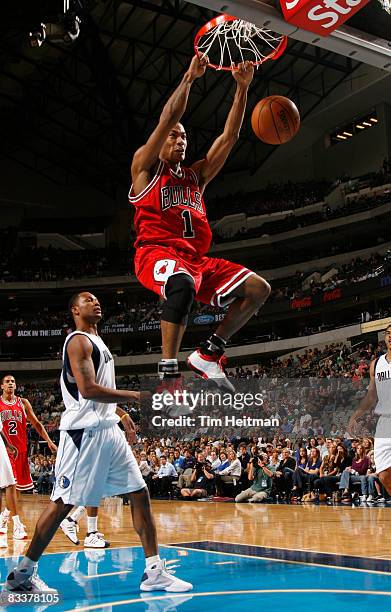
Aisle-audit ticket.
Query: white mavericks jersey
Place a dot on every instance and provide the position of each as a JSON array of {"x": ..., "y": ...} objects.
[
  {"x": 81, "y": 413},
  {"x": 383, "y": 386}
]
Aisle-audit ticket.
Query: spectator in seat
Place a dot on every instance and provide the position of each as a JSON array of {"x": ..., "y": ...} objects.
[
  {"x": 284, "y": 474},
  {"x": 229, "y": 475},
  {"x": 368, "y": 445},
  {"x": 216, "y": 461},
  {"x": 342, "y": 460},
  {"x": 145, "y": 468},
  {"x": 304, "y": 477},
  {"x": 162, "y": 480},
  {"x": 274, "y": 461},
  {"x": 244, "y": 458},
  {"x": 178, "y": 462},
  {"x": 357, "y": 473},
  {"x": 374, "y": 489},
  {"x": 223, "y": 463},
  {"x": 334, "y": 431},
  {"x": 328, "y": 468},
  {"x": 45, "y": 473},
  {"x": 301, "y": 457},
  {"x": 323, "y": 448},
  {"x": 261, "y": 478},
  {"x": 202, "y": 482},
  {"x": 188, "y": 466}
]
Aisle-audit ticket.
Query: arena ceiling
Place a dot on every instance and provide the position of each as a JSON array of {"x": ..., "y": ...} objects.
[{"x": 74, "y": 113}]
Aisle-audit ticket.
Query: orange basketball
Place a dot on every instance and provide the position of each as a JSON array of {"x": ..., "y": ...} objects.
[{"x": 275, "y": 120}]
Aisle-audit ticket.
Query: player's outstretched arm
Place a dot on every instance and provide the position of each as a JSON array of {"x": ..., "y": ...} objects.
[
  {"x": 207, "y": 168},
  {"x": 79, "y": 350},
  {"x": 38, "y": 426},
  {"x": 366, "y": 403},
  {"x": 148, "y": 154}
]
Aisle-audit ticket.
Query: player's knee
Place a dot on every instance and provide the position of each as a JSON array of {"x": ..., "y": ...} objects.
[
  {"x": 180, "y": 294},
  {"x": 260, "y": 290}
]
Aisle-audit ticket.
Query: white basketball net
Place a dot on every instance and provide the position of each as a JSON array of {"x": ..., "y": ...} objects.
[{"x": 238, "y": 41}]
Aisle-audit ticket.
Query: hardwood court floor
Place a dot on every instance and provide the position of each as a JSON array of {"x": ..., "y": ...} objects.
[{"x": 358, "y": 531}]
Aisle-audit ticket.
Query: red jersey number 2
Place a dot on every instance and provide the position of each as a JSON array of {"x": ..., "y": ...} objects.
[
  {"x": 12, "y": 428},
  {"x": 188, "y": 231}
]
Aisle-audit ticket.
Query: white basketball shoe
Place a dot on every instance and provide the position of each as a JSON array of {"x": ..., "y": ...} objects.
[
  {"x": 210, "y": 368},
  {"x": 160, "y": 578},
  {"x": 70, "y": 528},
  {"x": 95, "y": 540}
]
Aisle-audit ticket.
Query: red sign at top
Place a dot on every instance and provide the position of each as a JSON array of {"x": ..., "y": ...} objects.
[{"x": 320, "y": 16}]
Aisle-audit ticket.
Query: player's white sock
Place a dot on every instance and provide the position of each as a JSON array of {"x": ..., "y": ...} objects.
[
  {"x": 168, "y": 368},
  {"x": 16, "y": 519},
  {"x": 6, "y": 513},
  {"x": 92, "y": 524},
  {"x": 76, "y": 514},
  {"x": 27, "y": 563},
  {"x": 151, "y": 561}
]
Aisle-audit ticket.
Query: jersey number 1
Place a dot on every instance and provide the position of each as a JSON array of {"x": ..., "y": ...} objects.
[{"x": 188, "y": 232}]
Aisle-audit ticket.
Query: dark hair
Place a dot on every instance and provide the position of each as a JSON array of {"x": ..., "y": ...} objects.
[
  {"x": 72, "y": 302},
  {"x": 5, "y": 376}
]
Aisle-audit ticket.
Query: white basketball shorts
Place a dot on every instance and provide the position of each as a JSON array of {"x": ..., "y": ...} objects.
[
  {"x": 382, "y": 446},
  {"x": 6, "y": 473},
  {"x": 92, "y": 464}
]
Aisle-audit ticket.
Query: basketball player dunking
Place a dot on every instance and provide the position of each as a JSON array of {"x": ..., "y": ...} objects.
[
  {"x": 94, "y": 459},
  {"x": 379, "y": 395},
  {"x": 14, "y": 413},
  {"x": 173, "y": 234}
]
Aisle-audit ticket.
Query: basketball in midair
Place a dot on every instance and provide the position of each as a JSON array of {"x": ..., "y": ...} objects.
[{"x": 275, "y": 120}]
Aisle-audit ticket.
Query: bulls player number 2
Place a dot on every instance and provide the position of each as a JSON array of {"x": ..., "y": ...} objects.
[
  {"x": 188, "y": 232},
  {"x": 12, "y": 428}
]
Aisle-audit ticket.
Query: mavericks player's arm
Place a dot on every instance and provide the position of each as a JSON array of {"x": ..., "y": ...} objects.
[
  {"x": 207, "y": 168},
  {"x": 79, "y": 350},
  {"x": 147, "y": 155},
  {"x": 368, "y": 401}
]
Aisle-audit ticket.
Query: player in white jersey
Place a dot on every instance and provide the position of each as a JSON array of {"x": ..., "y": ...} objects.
[
  {"x": 379, "y": 394},
  {"x": 94, "y": 459},
  {"x": 70, "y": 525}
]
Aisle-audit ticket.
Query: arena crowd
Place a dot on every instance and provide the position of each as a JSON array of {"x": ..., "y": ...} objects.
[{"x": 310, "y": 457}]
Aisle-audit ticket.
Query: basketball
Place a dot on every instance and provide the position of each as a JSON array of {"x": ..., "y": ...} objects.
[{"x": 275, "y": 120}]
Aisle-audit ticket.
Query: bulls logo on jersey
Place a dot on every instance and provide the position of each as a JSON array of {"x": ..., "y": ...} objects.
[
  {"x": 11, "y": 415},
  {"x": 162, "y": 269},
  {"x": 178, "y": 195}
]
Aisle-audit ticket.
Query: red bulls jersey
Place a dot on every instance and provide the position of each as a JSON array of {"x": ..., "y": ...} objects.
[
  {"x": 13, "y": 419},
  {"x": 170, "y": 211}
]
